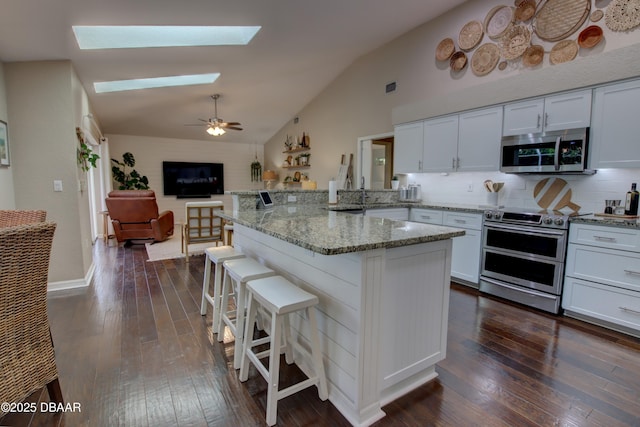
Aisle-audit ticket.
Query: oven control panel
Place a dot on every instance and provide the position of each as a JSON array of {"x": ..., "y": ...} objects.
[{"x": 547, "y": 219}]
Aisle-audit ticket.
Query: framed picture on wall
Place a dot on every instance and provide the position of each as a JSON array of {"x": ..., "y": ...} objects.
[{"x": 4, "y": 144}]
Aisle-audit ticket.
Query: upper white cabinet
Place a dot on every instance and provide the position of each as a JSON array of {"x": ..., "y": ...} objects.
[
  {"x": 559, "y": 112},
  {"x": 440, "y": 144},
  {"x": 407, "y": 147},
  {"x": 615, "y": 130},
  {"x": 459, "y": 142},
  {"x": 479, "y": 140}
]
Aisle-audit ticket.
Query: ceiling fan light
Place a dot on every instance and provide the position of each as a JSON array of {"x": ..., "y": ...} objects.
[{"x": 215, "y": 131}]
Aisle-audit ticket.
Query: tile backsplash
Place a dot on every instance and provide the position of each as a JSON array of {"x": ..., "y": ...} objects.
[{"x": 588, "y": 191}]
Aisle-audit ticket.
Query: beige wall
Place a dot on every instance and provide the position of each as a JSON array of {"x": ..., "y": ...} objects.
[
  {"x": 45, "y": 104},
  {"x": 151, "y": 152},
  {"x": 355, "y": 105},
  {"x": 7, "y": 199}
]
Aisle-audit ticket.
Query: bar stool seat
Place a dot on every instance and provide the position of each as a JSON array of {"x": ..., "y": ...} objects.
[
  {"x": 215, "y": 255},
  {"x": 237, "y": 272},
  {"x": 280, "y": 298}
]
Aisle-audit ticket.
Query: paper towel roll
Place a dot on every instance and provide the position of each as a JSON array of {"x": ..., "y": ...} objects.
[{"x": 333, "y": 193}]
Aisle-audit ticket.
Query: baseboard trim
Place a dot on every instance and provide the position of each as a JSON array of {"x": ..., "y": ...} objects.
[{"x": 73, "y": 284}]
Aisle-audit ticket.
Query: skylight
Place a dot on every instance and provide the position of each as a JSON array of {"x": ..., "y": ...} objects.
[
  {"x": 155, "y": 82},
  {"x": 141, "y": 36}
]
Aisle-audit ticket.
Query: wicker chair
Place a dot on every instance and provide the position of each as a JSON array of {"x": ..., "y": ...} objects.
[
  {"x": 10, "y": 218},
  {"x": 27, "y": 361}
]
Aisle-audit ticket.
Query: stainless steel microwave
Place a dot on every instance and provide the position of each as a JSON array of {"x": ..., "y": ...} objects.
[{"x": 547, "y": 152}]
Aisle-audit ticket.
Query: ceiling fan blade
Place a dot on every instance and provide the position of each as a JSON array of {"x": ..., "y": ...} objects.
[
  {"x": 233, "y": 128},
  {"x": 230, "y": 124}
]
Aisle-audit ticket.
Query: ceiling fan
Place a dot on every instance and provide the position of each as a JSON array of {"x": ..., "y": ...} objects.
[{"x": 215, "y": 125}]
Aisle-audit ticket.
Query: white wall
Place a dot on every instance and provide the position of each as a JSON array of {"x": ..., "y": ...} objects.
[
  {"x": 355, "y": 105},
  {"x": 149, "y": 153},
  {"x": 7, "y": 198}
]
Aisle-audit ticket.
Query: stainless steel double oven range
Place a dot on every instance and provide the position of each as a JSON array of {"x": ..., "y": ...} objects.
[{"x": 523, "y": 254}]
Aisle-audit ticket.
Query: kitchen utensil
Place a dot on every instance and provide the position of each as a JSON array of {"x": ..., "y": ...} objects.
[
  {"x": 610, "y": 205},
  {"x": 497, "y": 186},
  {"x": 488, "y": 184},
  {"x": 554, "y": 194},
  {"x": 349, "y": 182},
  {"x": 342, "y": 173}
]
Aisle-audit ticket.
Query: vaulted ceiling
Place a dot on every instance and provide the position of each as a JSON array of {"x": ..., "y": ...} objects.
[{"x": 301, "y": 48}]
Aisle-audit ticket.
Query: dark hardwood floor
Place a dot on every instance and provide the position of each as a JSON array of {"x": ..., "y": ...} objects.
[{"x": 133, "y": 350}]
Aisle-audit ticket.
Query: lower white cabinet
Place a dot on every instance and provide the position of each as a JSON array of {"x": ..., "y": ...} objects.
[
  {"x": 602, "y": 276},
  {"x": 465, "y": 257}
]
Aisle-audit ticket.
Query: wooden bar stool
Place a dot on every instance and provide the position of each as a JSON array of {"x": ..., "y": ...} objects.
[
  {"x": 280, "y": 298},
  {"x": 228, "y": 233},
  {"x": 237, "y": 272},
  {"x": 215, "y": 255}
]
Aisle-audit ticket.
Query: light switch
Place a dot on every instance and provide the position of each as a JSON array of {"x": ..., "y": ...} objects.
[{"x": 57, "y": 185}]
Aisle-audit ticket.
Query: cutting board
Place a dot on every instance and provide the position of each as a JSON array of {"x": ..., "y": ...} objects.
[
  {"x": 342, "y": 173},
  {"x": 554, "y": 194}
]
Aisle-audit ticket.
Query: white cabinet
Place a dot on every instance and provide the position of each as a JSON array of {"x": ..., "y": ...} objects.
[
  {"x": 615, "y": 130},
  {"x": 479, "y": 140},
  {"x": 407, "y": 147},
  {"x": 398, "y": 214},
  {"x": 440, "y": 144},
  {"x": 459, "y": 142},
  {"x": 559, "y": 112},
  {"x": 465, "y": 257},
  {"x": 602, "y": 276}
]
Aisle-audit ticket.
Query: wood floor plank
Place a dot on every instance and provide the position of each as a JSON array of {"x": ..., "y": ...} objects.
[{"x": 134, "y": 351}]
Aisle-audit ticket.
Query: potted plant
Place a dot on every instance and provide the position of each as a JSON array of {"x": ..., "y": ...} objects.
[
  {"x": 131, "y": 180},
  {"x": 86, "y": 157},
  {"x": 395, "y": 183},
  {"x": 304, "y": 159}
]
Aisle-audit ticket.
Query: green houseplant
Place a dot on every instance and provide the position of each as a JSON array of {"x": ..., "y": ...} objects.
[
  {"x": 86, "y": 157},
  {"x": 128, "y": 180}
]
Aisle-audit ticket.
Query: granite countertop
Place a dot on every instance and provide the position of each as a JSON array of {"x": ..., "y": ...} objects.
[
  {"x": 606, "y": 221},
  {"x": 330, "y": 233},
  {"x": 457, "y": 207}
]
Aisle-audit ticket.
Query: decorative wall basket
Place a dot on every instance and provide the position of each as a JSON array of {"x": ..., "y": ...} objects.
[{"x": 558, "y": 19}]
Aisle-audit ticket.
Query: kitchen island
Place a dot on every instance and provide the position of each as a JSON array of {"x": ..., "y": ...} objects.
[{"x": 383, "y": 287}]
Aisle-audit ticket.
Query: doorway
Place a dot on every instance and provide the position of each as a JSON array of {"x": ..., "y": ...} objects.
[{"x": 375, "y": 161}]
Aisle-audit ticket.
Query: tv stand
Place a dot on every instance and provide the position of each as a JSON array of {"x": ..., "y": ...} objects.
[{"x": 193, "y": 196}]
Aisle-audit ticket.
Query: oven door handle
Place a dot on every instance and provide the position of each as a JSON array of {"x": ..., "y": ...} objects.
[
  {"x": 535, "y": 230},
  {"x": 518, "y": 288},
  {"x": 556, "y": 157}
]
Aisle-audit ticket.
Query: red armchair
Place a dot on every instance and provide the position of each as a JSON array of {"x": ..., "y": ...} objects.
[{"x": 134, "y": 215}]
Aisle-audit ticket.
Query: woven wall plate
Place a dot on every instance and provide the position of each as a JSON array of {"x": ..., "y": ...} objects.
[
  {"x": 622, "y": 15},
  {"x": 458, "y": 61},
  {"x": 533, "y": 55},
  {"x": 515, "y": 42},
  {"x": 558, "y": 19},
  {"x": 596, "y": 15},
  {"x": 498, "y": 21},
  {"x": 485, "y": 59},
  {"x": 525, "y": 10},
  {"x": 563, "y": 51},
  {"x": 590, "y": 36},
  {"x": 445, "y": 49},
  {"x": 470, "y": 35}
]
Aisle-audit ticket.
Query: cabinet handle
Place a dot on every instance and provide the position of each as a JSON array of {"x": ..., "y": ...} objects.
[
  {"x": 632, "y": 272},
  {"x": 457, "y": 162},
  {"x": 546, "y": 119},
  {"x": 605, "y": 239},
  {"x": 419, "y": 165},
  {"x": 425, "y": 217},
  {"x": 453, "y": 163},
  {"x": 629, "y": 310},
  {"x": 459, "y": 221},
  {"x": 538, "y": 125}
]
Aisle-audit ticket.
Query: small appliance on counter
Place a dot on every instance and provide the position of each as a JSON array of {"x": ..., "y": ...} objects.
[{"x": 412, "y": 193}]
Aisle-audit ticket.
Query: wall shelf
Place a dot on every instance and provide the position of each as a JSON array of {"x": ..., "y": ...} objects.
[
  {"x": 296, "y": 167},
  {"x": 297, "y": 150}
]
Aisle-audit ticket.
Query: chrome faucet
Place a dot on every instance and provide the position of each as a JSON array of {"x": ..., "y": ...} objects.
[{"x": 364, "y": 193}]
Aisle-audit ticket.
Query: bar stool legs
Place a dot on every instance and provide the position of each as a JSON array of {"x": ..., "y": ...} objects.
[
  {"x": 215, "y": 255},
  {"x": 280, "y": 298}
]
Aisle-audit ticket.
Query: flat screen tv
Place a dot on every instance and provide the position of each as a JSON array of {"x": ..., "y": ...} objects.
[{"x": 192, "y": 180}]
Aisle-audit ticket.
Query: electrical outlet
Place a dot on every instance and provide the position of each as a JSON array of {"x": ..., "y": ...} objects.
[
  {"x": 57, "y": 185},
  {"x": 292, "y": 199},
  {"x": 470, "y": 187}
]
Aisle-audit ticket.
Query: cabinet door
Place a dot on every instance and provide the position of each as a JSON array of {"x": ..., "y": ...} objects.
[
  {"x": 407, "y": 148},
  {"x": 428, "y": 216},
  {"x": 615, "y": 130},
  {"x": 465, "y": 257},
  {"x": 440, "y": 149},
  {"x": 479, "y": 140},
  {"x": 523, "y": 117},
  {"x": 398, "y": 214},
  {"x": 567, "y": 111}
]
